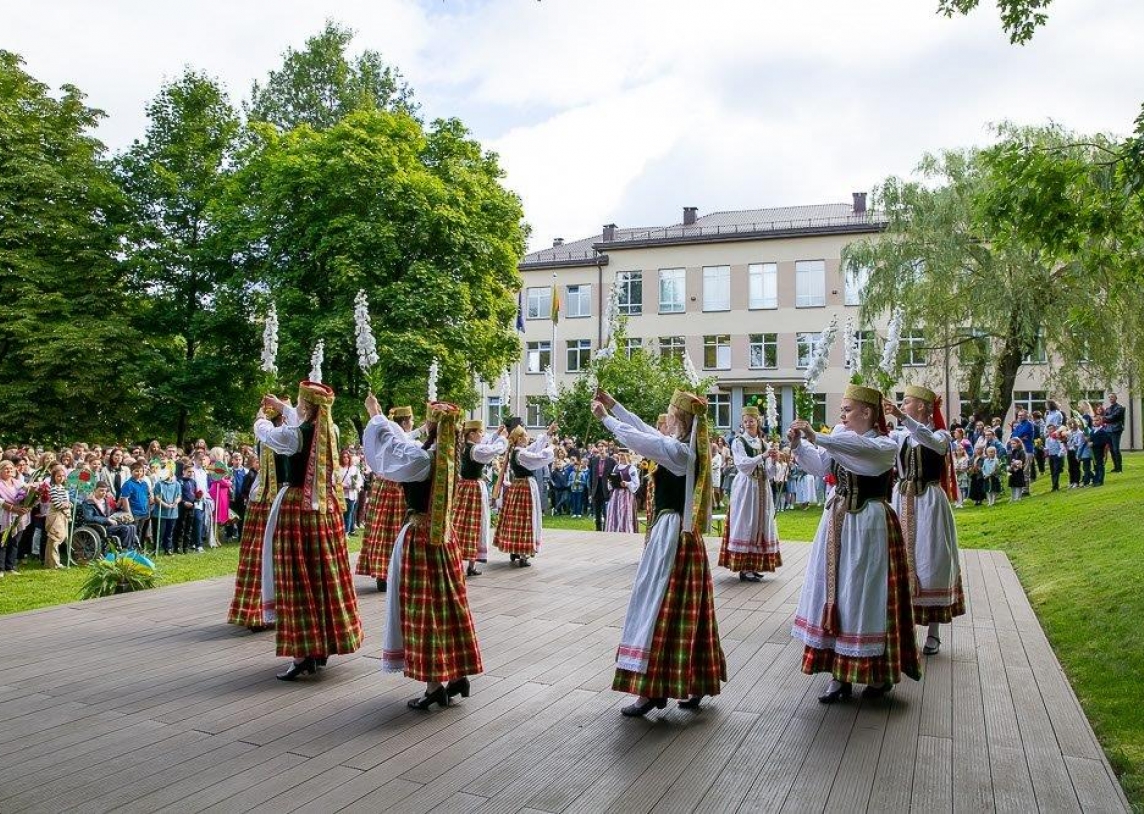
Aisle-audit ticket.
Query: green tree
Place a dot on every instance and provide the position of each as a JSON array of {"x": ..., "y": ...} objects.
[
  {"x": 65, "y": 341},
  {"x": 201, "y": 345},
  {"x": 415, "y": 216},
  {"x": 949, "y": 264},
  {"x": 1019, "y": 18},
  {"x": 641, "y": 381},
  {"x": 320, "y": 84}
]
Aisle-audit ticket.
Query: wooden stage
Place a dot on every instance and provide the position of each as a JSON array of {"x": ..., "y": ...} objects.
[{"x": 150, "y": 702}]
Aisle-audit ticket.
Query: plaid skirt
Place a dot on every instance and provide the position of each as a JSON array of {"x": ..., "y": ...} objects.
[
  {"x": 901, "y": 652},
  {"x": 385, "y": 515},
  {"x": 246, "y": 607},
  {"x": 467, "y": 522},
  {"x": 315, "y": 600},
  {"x": 686, "y": 656},
  {"x": 746, "y": 560},
  {"x": 439, "y": 636},
  {"x": 942, "y": 614},
  {"x": 514, "y": 529}
]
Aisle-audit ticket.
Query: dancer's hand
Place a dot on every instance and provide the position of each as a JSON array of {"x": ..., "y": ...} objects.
[
  {"x": 794, "y": 437},
  {"x": 553, "y": 428},
  {"x": 273, "y": 403},
  {"x": 372, "y": 405},
  {"x": 804, "y": 429},
  {"x": 892, "y": 409},
  {"x": 605, "y": 398},
  {"x": 598, "y": 409}
]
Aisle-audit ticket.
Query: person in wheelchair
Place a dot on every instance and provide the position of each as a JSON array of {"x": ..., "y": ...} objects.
[{"x": 99, "y": 510}]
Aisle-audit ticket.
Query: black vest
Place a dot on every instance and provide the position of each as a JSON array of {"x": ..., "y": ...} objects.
[
  {"x": 858, "y": 490},
  {"x": 470, "y": 469},
  {"x": 923, "y": 465},
  {"x": 518, "y": 471},
  {"x": 748, "y": 450},
  {"x": 670, "y": 490},
  {"x": 417, "y": 494},
  {"x": 296, "y": 464}
]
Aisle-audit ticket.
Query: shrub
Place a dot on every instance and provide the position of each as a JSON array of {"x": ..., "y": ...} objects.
[{"x": 117, "y": 576}]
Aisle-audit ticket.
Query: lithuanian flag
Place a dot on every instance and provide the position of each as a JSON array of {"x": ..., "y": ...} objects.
[{"x": 555, "y": 304}]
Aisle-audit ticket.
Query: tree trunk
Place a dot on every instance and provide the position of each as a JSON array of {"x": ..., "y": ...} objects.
[
  {"x": 359, "y": 427},
  {"x": 1008, "y": 362}
]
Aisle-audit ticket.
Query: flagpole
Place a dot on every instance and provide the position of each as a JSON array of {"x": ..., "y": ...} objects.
[{"x": 555, "y": 317}]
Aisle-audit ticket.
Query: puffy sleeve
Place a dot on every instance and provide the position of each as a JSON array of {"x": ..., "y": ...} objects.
[
  {"x": 537, "y": 455},
  {"x": 487, "y": 451},
  {"x": 290, "y": 415},
  {"x": 810, "y": 458},
  {"x": 937, "y": 440},
  {"x": 745, "y": 463},
  {"x": 667, "y": 452},
  {"x": 631, "y": 419},
  {"x": 861, "y": 454},
  {"x": 285, "y": 440},
  {"x": 391, "y": 454}
]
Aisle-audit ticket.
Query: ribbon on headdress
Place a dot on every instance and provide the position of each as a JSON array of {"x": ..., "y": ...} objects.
[
  {"x": 319, "y": 489},
  {"x": 444, "y": 472}
]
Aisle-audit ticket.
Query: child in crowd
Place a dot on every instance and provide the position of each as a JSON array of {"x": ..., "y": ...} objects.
[
  {"x": 135, "y": 497},
  {"x": 991, "y": 474},
  {"x": 1017, "y": 474},
  {"x": 1055, "y": 452},
  {"x": 961, "y": 472},
  {"x": 167, "y": 493},
  {"x": 189, "y": 536},
  {"x": 59, "y": 515},
  {"x": 578, "y": 487}
]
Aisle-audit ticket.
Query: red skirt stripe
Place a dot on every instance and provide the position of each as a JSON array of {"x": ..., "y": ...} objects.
[
  {"x": 385, "y": 515},
  {"x": 467, "y": 518},
  {"x": 246, "y": 606},
  {"x": 942, "y": 614},
  {"x": 514, "y": 528},
  {"x": 316, "y": 604}
]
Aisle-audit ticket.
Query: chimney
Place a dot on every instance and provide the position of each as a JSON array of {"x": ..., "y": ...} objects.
[
  {"x": 557, "y": 242},
  {"x": 859, "y": 203},
  {"x": 609, "y": 232},
  {"x": 689, "y": 214}
]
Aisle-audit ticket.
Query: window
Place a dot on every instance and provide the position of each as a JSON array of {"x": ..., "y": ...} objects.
[
  {"x": 539, "y": 303},
  {"x": 629, "y": 290},
  {"x": 1038, "y": 355},
  {"x": 579, "y": 301},
  {"x": 810, "y": 283},
  {"x": 764, "y": 350},
  {"x": 631, "y": 345},
  {"x": 579, "y": 354},
  {"x": 719, "y": 410},
  {"x": 856, "y": 279},
  {"x": 672, "y": 346},
  {"x": 539, "y": 356},
  {"x": 763, "y": 285},
  {"x": 493, "y": 414},
  {"x": 912, "y": 349},
  {"x": 536, "y": 411},
  {"x": 805, "y": 343},
  {"x": 672, "y": 291},
  {"x": 716, "y": 288},
  {"x": 864, "y": 347},
  {"x": 1029, "y": 400},
  {"x": 1093, "y": 397},
  {"x": 819, "y": 417},
  {"x": 717, "y": 352}
]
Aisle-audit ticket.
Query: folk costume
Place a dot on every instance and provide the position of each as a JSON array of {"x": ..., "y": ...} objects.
[
  {"x": 385, "y": 514},
  {"x": 429, "y": 632},
  {"x": 669, "y": 645},
  {"x": 854, "y": 614},
  {"x": 623, "y": 484},
  {"x": 253, "y": 604},
  {"x": 471, "y": 512},
  {"x": 921, "y": 500},
  {"x": 518, "y": 530},
  {"x": 315, "y": 602},
  {"x": 750, "y": 535}
]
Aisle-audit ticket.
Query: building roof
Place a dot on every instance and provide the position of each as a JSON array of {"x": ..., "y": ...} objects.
[{"x": 741, "y": 224}]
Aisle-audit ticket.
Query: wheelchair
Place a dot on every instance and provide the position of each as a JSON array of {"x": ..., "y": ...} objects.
[{"x": 90, "y": 542}]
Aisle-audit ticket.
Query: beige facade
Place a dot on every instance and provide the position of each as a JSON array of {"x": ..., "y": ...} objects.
[{"x": 744, "y": 343}]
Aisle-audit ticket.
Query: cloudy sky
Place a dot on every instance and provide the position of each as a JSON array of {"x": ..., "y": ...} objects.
[{"x": 626, "y": 110}]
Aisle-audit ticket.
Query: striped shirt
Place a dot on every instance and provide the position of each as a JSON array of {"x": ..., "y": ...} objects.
[{"x": 58, "y": 496}]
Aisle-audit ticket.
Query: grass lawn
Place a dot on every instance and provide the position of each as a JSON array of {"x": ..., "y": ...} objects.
[{"x": 1079, "y": 555}]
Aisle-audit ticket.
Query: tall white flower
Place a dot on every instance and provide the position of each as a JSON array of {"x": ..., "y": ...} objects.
[
  {"x": 550, "y": 385},
  {"x": 316, "y": 359},
  {"x": 434, "y": 371},
  {"x": 821, "y": 355},
  {"x": 689, "y": 371},
  {"x": 363, "y": 334},
  {"x": 505, "y": 393},
  {"x": 890, "y": 349},
  {"x": 848, "y": 344},
  {"x": 772, "y": 409},
  {"x": 270, "y": 341}
]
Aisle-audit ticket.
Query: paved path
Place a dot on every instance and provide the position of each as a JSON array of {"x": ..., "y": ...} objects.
[{"x": 150, "y": 702}]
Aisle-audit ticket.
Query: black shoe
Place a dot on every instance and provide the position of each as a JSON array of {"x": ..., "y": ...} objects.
[
  {"x": 438, "y": 696},
  {"x": 640, "y": 710},
  {"x": 257, "y": 628},
  {"x": 472, "y": 571},
  {"x": 307, "y": 665},
  {"x": 513, "y": 557},
  {"x": 321, "y": 660},
  {"x": 381, "y": 585},
  {"x": 691, "y": 703},
  {"x": 459, "y": 687},
  {"x": 524, "y": 563},
  {"x": 749, "y": 576},
  {"x": 845, "y": 690},
  {"x": 932, "y": 649},
  {"x": 877, "y": 691}
]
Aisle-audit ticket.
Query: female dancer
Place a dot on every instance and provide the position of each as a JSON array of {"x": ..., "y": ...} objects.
[
  {"x": 385, "y": 513},
  {"x": 750, "y": 537},
  {"x": 429, "y": 633},
  {"x": 623, "y": 484},
  {"x": 471, "y": 513},
  {"x": 669, "y": 645},
  {"x": 854, "y": 614},
  {"x": 518, "y": 530},
  {"x": 921, "y": 499},
  {"x": 317, "y": 613}
]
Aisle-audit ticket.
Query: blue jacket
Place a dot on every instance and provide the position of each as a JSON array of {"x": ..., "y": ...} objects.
[
  {"x": 1026, "y": 432},
  {"x": 138, "y": 495}
]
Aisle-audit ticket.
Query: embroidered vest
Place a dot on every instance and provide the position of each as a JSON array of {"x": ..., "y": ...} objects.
[
  {"x": 670, "y": 490},
  {"x": 518, "y": 471},
  {"x": 923, "y": 465},
  {"x": 858, "y": 490},
  {"x": 470, "y": 469},
  {"x": 296, "y": 464}
]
